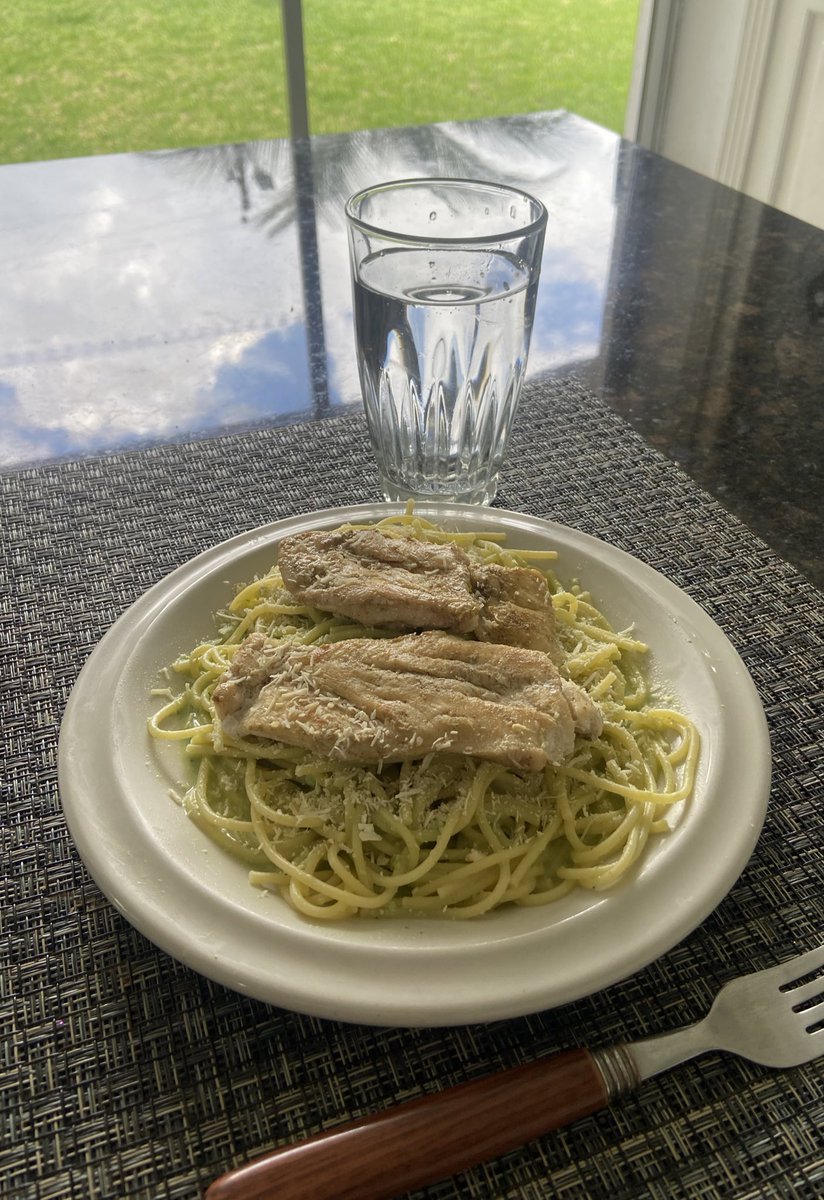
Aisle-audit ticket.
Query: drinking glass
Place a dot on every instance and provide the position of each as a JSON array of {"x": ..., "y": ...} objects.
[{"x": 445, "y": 276}]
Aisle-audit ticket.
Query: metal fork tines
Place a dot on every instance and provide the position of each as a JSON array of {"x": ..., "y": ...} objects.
[{"x": 773, "y": 1017}]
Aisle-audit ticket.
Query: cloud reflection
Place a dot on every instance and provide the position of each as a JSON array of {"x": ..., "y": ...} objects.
[{"x": 153, "y": 297}]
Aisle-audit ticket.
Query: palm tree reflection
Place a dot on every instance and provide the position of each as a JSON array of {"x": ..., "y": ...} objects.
[{"x": 304, "y": 182}]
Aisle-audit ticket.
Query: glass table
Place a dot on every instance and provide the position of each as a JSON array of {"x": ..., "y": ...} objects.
[{"x": 178, "y": 369}]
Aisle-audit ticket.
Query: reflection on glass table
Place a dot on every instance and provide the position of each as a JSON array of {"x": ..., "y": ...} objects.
[{"x": 160, "y": 296}]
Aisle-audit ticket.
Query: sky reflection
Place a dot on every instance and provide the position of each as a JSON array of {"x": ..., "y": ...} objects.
[{"x": 152, "y": 297}]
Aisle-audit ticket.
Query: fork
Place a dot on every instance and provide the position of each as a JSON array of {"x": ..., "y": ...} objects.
[{"x": 773, "y": 1017}]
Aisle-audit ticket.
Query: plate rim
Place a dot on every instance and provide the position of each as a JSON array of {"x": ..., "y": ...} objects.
[{"x": 128, "y": 893}]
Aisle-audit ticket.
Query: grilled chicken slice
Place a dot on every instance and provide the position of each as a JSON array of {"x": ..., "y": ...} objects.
[
  {"x": 401, "y": 583},
  {"x": 516, "y": 608},
  {"x": 371, "y": 700},
  {"x": 397, "y": 583}
]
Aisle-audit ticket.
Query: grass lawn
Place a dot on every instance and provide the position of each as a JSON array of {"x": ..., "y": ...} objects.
[{"x": 97, "y": 76}]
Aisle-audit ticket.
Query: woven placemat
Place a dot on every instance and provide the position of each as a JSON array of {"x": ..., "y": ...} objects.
[{"x": 127, "y": 1075}]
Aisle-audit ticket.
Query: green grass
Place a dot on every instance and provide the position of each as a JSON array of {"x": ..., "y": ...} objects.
[
  {"x": 97, "y": 76},
  {"x": 384, "y": 63}
]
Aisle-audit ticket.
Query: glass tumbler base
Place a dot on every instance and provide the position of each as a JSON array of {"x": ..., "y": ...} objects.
[{"x": 398, "y": 492}]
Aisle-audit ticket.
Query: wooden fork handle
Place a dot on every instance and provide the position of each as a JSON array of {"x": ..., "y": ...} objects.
[{"x": 426, "y": 1139}]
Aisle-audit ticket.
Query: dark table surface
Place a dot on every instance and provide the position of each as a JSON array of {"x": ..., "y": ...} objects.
[
  {"x": 177, "y": 370},
  {"x": 160, "y": 296}
]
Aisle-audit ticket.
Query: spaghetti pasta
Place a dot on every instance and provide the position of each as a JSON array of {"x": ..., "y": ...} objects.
[{"x": 445, "y": 835}]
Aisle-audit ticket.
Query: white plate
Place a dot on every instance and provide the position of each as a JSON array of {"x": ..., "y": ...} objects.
[{"x": 190, "y": 898}]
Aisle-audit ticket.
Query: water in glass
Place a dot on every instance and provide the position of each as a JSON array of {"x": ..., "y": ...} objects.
[{"x": 443, "y": 336}]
